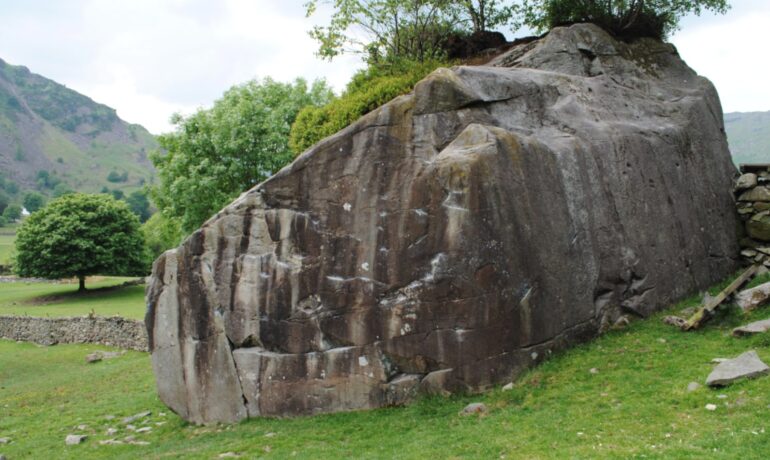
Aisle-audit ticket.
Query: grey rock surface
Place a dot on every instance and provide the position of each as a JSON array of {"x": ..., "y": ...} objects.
[
  {"x": 74, "y": 439},
  {"x": 757, "y": 327},
  {"x": 747, "y": 365},
  {"x": 746, "y": 181},
  {"x": 474, "y": 409},
  {"x": 750, "y": 299},
  {"x": 496, "y": 213}
]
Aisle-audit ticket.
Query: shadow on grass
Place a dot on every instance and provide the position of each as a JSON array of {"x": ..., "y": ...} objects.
[{"x": 76, "y": 295}]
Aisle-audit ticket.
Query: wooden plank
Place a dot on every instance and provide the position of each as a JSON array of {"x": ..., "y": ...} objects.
[
  {"x": 707, "y": 311},
  {"x": 753, "y": 167}
]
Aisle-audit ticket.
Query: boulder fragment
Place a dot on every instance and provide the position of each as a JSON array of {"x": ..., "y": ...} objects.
[
  {"x": 757, "y": 327},
  {"x": 750, "y": 299},
  {"x": 747, "y": 365},
  {"x": 74, "y": 439}
]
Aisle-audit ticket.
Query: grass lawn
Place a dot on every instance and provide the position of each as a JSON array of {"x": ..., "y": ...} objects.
[
  {"x": 635, "y": 406},
  {"x": 7, "y": 237},
  {"x": 52, "y": 299}
]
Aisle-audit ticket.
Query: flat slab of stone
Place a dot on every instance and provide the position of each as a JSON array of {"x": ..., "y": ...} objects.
[
  {"x": 757, "y": 327},
  {"x": 749, "y": 299},
  {"x": 748, "y": 365}
]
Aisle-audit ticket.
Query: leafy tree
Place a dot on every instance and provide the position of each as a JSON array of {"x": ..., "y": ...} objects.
[
  {"x": 139, "y": 204},
  {"x": 62, "y": 189},
  {"x": 4, "y": 201},
  {"x": 12, "y": 212},
  {"x": 116, "y": 177},
  {"x": 624, "y": 18},
  {"x": 79, "y": 235},
  {"x": 118, "y": 194},
  {"x": 161, "y": 234},
  {"x": 488, "y": 14},
  {"x": 386, "y": 30},
  {"x": 33, "y": 201},
  {"x": 215, "y": 154}
]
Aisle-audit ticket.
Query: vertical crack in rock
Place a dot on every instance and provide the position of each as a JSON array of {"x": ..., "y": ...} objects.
[{"x": 454, "y": 237}]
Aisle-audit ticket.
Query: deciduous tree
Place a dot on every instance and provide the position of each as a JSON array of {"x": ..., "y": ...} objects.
[
  {"x": 217, "y": 153},
  {"x": 80, "y": 235}
]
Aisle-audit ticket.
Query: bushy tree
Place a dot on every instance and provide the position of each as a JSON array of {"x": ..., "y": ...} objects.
[
  {"x": 217, "y": 153},
  {"x": 79, "y": 235},
  {"x": 367, "y": 90},
  {"x": 387, "y": 29},
  {"x": 33, "y": 201},
  {"x": 139, "y": 204},
  {"x": 624, "y": 18},
  {"x": 12, "y": 212},
  {"x": 161, "y": 234}
]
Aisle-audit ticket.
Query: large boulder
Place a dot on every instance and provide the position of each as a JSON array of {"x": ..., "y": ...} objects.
[{"x": 453, "y": 237}]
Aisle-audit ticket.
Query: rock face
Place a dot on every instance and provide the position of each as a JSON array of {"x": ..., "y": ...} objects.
[{"x": 453, "y": 237}]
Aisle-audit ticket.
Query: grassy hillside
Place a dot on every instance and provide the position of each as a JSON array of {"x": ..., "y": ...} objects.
[
  {"x": 635, "y": 404},
  {"x": 50, "y": 134},
  {"x": 749, "y": 136}
]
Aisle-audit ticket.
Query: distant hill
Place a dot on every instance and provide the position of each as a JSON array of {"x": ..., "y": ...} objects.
[
  {"x": 748, "y": 134},
  {"x": 52, "y": 135}
]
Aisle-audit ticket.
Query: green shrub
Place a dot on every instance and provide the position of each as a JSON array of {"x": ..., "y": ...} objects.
[
  {"x": 161, "y": 233},
  {"x": 367, "y": 90}
]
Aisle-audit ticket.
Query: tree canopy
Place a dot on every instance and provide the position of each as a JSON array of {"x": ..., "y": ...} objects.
[
  {"x": 624, "y": 18},
  {"x": 79, "y": 235},
  {"x": 386, "y": 30},
  {"x": 217, "y": 153}
]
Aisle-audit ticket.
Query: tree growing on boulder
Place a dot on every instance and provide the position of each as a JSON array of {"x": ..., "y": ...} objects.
[
  {"x": 79, "y": 235},
  {"x": 624, "y": 18}
]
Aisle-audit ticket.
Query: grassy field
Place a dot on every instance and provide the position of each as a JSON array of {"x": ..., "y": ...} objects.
[
  {"x": 104, "y": 298},
  {"x": 636, "y": 405},
  {"x": 7, "y": 237}
]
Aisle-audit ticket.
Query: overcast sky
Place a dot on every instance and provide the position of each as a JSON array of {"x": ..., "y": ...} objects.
[{"x": 151, "y": 58}]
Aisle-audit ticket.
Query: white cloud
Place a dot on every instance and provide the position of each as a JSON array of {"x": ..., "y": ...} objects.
[
  {"x": 731, "y": 51},
  {"x": 149, "y": 58}
]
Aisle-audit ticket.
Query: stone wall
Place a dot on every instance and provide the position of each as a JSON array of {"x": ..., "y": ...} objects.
[
  {"x": 116, "y": 332},
  {"x": 752, "y": 192}
]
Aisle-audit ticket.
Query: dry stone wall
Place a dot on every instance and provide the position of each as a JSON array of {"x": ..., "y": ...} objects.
[
  {"x": 752, "y": 191},
  {"x": 115, "y": 331}
]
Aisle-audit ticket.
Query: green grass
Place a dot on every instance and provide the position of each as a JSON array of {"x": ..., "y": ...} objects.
[
  {"x": 6, "y": 248},
  {"x": 636, "y": 406},
  {"x": 56, "y": 300}
]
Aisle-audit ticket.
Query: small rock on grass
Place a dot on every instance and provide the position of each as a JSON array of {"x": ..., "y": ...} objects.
[
  {"x": 5, "y": 440},
  {"x": 228, "y": 455},
  {"x": 692, "y": 386},
  {"x": 757, "y": 327},
  {"x": 711, "y": 407},
  {"x": 747, "y": 365},
  {"x": 110, "y": 442},
  {"x": 74, "y": 439},
  {"x": 136, "y": 417},
  {"x": 508, "y": 386},
  {"x": 593, "y": 370},
  {"x": 474, "y": 409},
  {"x": 144, "y": 429}
]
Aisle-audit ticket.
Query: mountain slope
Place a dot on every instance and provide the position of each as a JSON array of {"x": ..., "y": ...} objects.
[
  {"x": 51, "y": 134},
  {"x": 748, "y": 134}
]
